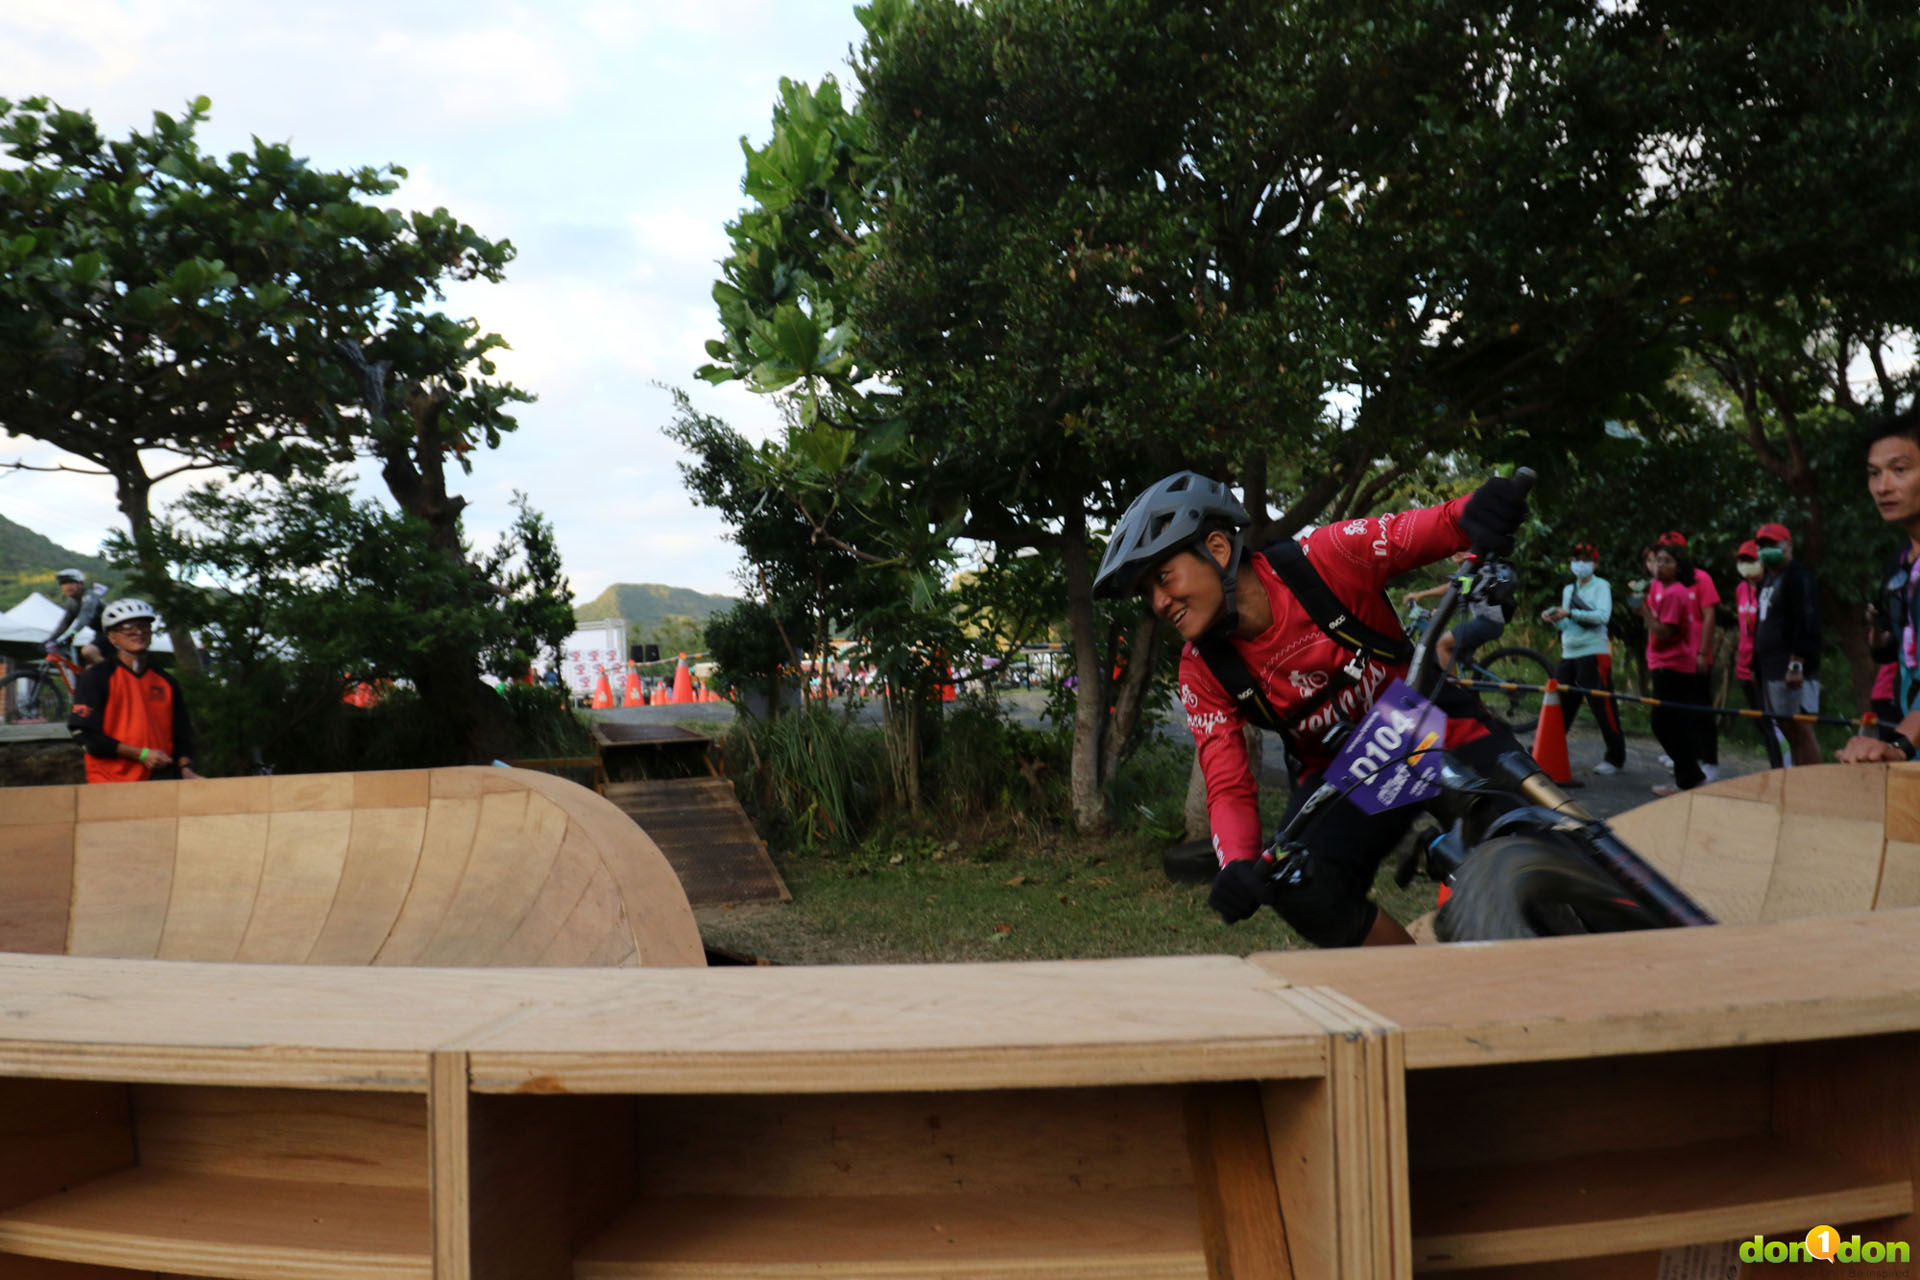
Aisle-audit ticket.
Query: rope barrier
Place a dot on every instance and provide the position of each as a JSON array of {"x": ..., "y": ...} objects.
[{"x": 1866, "y": 722}]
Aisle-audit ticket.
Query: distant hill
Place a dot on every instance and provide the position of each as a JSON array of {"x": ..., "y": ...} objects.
[
  {"x": 28, "y": 562},
  {"x": 646, "y": 605}
]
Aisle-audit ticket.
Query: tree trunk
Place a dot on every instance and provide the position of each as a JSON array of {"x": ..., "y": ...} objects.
[
  {"x": 466, "y": 709},
  {"x": 900, "y": 724},
  {"x": 134, "y": 492},
  {"x": 1130, "y": 696},
  {"x": 1199, "y": 825},
  {"x": 1084, "y": 781},
  {"x": 1848, "y": 624}
]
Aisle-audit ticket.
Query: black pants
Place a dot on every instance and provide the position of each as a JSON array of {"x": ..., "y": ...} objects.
[
  {"x": 1706, "y": 724},
  {"x": 1750, "y": 690},
  {"x": 1595, "y": 671},
  {"x": 1675, "y": 729},
  {"x": 1344, "y": 844}
]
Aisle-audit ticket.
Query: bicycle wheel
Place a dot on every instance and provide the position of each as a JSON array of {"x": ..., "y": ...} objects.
[
  {"x": 1515, "y": 664},
  {"x": 1533, "y": 886},
  {"x": 37, "y": 698}
]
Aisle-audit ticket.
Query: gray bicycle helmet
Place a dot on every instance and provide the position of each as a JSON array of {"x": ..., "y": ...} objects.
[
  {"x": 70, "y": 575},
  {"x": 1173, "y": 515}
]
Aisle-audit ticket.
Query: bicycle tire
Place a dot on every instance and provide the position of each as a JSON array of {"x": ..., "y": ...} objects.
[
  {"x": 52, "y": 701},
  {"x": 1534, "y": 886},
  {"x": 1514, "y": 664}
]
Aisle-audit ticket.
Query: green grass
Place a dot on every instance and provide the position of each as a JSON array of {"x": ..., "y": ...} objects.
[{"x": 996, "y": 896}]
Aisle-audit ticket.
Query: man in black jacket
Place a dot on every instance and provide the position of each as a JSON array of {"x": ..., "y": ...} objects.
[{"x": 1786, "y": 640}]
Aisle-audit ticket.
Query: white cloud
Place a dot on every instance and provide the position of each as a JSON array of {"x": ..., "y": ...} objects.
[{"x": 602, "y": 138}]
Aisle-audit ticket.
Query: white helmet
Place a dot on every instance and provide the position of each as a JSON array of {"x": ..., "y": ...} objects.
[
  {"x": 126, "y": 611},
  {"x": 70, "y": 575}
]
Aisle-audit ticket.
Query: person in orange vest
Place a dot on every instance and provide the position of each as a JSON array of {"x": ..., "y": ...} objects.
[{"x": 129, "y": 716}]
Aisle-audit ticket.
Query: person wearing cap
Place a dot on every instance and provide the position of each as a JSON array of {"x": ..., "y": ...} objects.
[
  {"x": 1586, "y": 651},
  {"x": 1179, "y": 544},
  {"x": 128, "y": 715},
  {"x": 1786, "y": 640},
  {"x": 1673, "y": 652},
  {"x": 1746, "y": 611},
  {"x": 1893, "y": 482}
]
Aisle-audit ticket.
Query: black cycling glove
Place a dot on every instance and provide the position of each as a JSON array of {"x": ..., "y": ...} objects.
[
  {"x": 1239, "y": 890},
  {"x": 1493, "y": 515}
]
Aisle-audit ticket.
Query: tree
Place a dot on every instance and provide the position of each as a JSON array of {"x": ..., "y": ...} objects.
[
  {"x": 246, "y": 314},
  {"x": 301, "y": 591}
]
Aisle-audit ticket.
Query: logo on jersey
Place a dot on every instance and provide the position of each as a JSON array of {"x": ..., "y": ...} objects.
[
  {"x": 1188, "y": 698},
  {"x": 1308, "y": 681},
  {"x": 1355, "y": 528},
  {"x": 1206, "y": 721},
  {"x": 1380, "y": 547}
]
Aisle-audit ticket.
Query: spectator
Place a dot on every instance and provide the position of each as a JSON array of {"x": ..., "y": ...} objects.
[
  {"x": 1893, "y": 481},
  {"x": 1586, "y": 651},
  {"x": 1672, "y": 654},
  {"x": 129, "y": 716},
  {"x": 1786, "y": 639},
  {"x": 1746, "y": 598}
]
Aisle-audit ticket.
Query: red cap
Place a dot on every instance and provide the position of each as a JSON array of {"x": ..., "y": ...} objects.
[
  {"x": 1673, "y": 540},
  {"x": 1749, "y": 550},
  {"x": 1772, "y": 533}
]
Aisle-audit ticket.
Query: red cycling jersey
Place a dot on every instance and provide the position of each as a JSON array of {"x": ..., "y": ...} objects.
[{"x": 1293, "y": 658}]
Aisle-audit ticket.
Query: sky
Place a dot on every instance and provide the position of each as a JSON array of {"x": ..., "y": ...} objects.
[{"x": 601, "y": 138}]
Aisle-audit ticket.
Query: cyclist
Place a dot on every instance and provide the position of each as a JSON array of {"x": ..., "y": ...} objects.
[
  {"x": 128, "y": 715},
  {"x": 80, "y": 624},
  {"x": 1279, "y": 627}
]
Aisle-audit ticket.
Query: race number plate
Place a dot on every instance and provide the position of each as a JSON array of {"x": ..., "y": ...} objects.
[{"x": 1392, "y": 758}]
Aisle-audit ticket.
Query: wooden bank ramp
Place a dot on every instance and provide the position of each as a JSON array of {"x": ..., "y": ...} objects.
[
  {"x": 1818, "y": 840},
  {"x": 467, "y": 866}
]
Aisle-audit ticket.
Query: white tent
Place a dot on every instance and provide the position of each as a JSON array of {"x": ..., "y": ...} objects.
[
  {"x": 35, "y": 611},
  {"x": 33, "y": 620}
]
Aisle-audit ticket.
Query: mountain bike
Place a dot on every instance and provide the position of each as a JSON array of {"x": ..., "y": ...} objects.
[
  {"x": 41, "y": 692},
  {"x": 1517, "y": 857}
]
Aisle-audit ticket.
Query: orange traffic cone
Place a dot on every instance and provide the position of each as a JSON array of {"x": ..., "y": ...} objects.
[
  {"x": 603, "y": 693},
  {"x": 682, "y": 681},
  {"x": 1550, "y": 737},
  {"x": 633, "y": 697}
]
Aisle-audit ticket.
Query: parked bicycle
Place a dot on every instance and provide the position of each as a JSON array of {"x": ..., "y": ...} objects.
[{"x": 1514, "y": 667}]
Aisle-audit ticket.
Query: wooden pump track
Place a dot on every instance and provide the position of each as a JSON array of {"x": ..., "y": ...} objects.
[{"x": 454, "y": 1023}]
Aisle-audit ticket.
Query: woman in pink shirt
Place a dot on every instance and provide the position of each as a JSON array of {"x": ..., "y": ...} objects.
[{"x": 1672, "y": 658}]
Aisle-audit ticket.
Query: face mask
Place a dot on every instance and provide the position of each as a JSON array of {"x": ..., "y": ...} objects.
[
  {"x": 1749, "y": 569},
  {"x": 1582, "y": 568},
  {"x": 1772, "y": 557}
]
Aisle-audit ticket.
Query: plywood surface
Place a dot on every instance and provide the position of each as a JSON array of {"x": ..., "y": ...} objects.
[
  {"x": 246, "y": 1228},
  {"x": 1563, "y": 1208},
  {"x": 898, "y": 1027},
  {"x": 955, "y": 1237},
  {"x": 886, "y": 1028},
  {"x": 1660, "y": 990},
  {"x": 433, "y": 867},
  {"x": 1013, "y": 1141}
]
